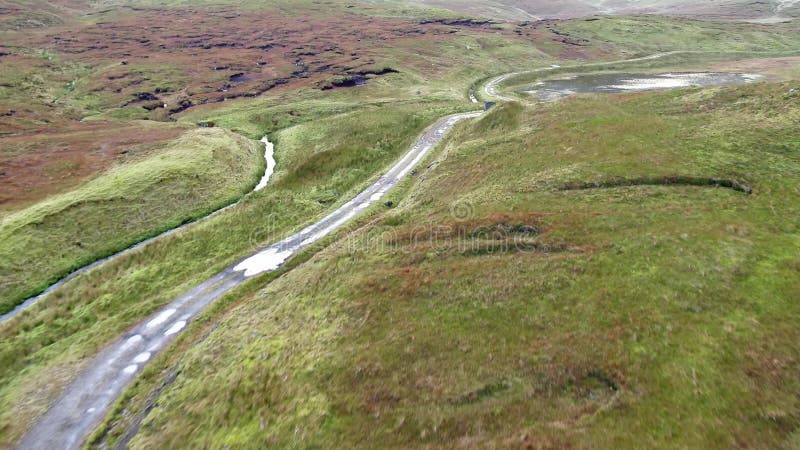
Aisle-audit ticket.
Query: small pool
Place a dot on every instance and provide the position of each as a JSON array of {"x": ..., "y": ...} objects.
[{"x": 556, "y": 88}]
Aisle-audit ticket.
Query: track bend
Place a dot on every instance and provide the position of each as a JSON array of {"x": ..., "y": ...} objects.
[
  {"x": 87, "y": 399},
  {"x": 269, "y": 151},
  {"x": 491, "y": 86}
]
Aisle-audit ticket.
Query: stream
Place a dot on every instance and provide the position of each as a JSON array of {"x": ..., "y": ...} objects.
[{"x": 269, "y": 156}]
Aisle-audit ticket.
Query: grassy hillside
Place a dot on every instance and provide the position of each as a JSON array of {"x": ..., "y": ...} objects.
[
  {"x": 779, "y": 65},
  {"x": 344, "y": 137},
  {"x": 66, "y": 95},
  {"x": 558, "y": 280},
  {"x": 265, "y": 67},
  {"x": 320, "y": 165},
  {"x": 201, "y": 171},
  {"x": 649, "y": 34},
  {"x": 530, "y": 9}
]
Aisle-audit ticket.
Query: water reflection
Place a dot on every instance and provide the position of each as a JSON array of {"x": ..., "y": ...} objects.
[{"x": 554, "y": 89}]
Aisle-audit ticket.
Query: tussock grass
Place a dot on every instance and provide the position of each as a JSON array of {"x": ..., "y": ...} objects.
[
  {"x": 197, "y": 173},
  {"x": 657, "y": 181},
  {"x": 648, "y": 34},
  {"x": 42, "y": 349},
  {"x": 682, "y": 60},
  {"x": 363, "y": 347},
  {"x": 505, "y": 116},
  {"x": 676, "y": 328}
]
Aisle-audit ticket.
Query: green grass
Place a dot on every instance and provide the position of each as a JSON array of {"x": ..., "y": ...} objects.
[
  {"x": 430, "y": 71},
  {"x": 199, "y": 172},
  {"x": 649, "y": 34},
  {"x": 329, "y": 144},
  {"x": 678, "y": 61},
  {"x": 656, "y": 316},
  {"x": 37, "y": 82},
  {"x": 43, "y": 349},
  {"x": 94, "y": 92},
  {"x": 695, "y": 44}
]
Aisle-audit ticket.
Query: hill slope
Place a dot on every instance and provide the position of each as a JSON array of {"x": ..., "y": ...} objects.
[
  {"x": 528, "y": 9},
  {"x": 564, "y": 277}
]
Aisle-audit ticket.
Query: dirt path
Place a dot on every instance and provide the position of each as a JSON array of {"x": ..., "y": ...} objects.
[
  {"x": 85, "y": 401},
  {"x": 492, "y": 85},
  {"x": 490, "y": 89}
]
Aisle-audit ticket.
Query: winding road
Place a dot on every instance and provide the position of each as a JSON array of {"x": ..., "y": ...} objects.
[
  {"x": 493, "y": 84},
  {"x": 87, "y": 399},
  {"x": 490, "y": 88}
]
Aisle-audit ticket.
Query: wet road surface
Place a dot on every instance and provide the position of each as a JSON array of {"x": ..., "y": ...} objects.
[{"x": 87, "y": 399}]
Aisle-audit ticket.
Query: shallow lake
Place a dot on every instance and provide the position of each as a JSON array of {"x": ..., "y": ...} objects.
[{"x": 556, "y": 88}]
